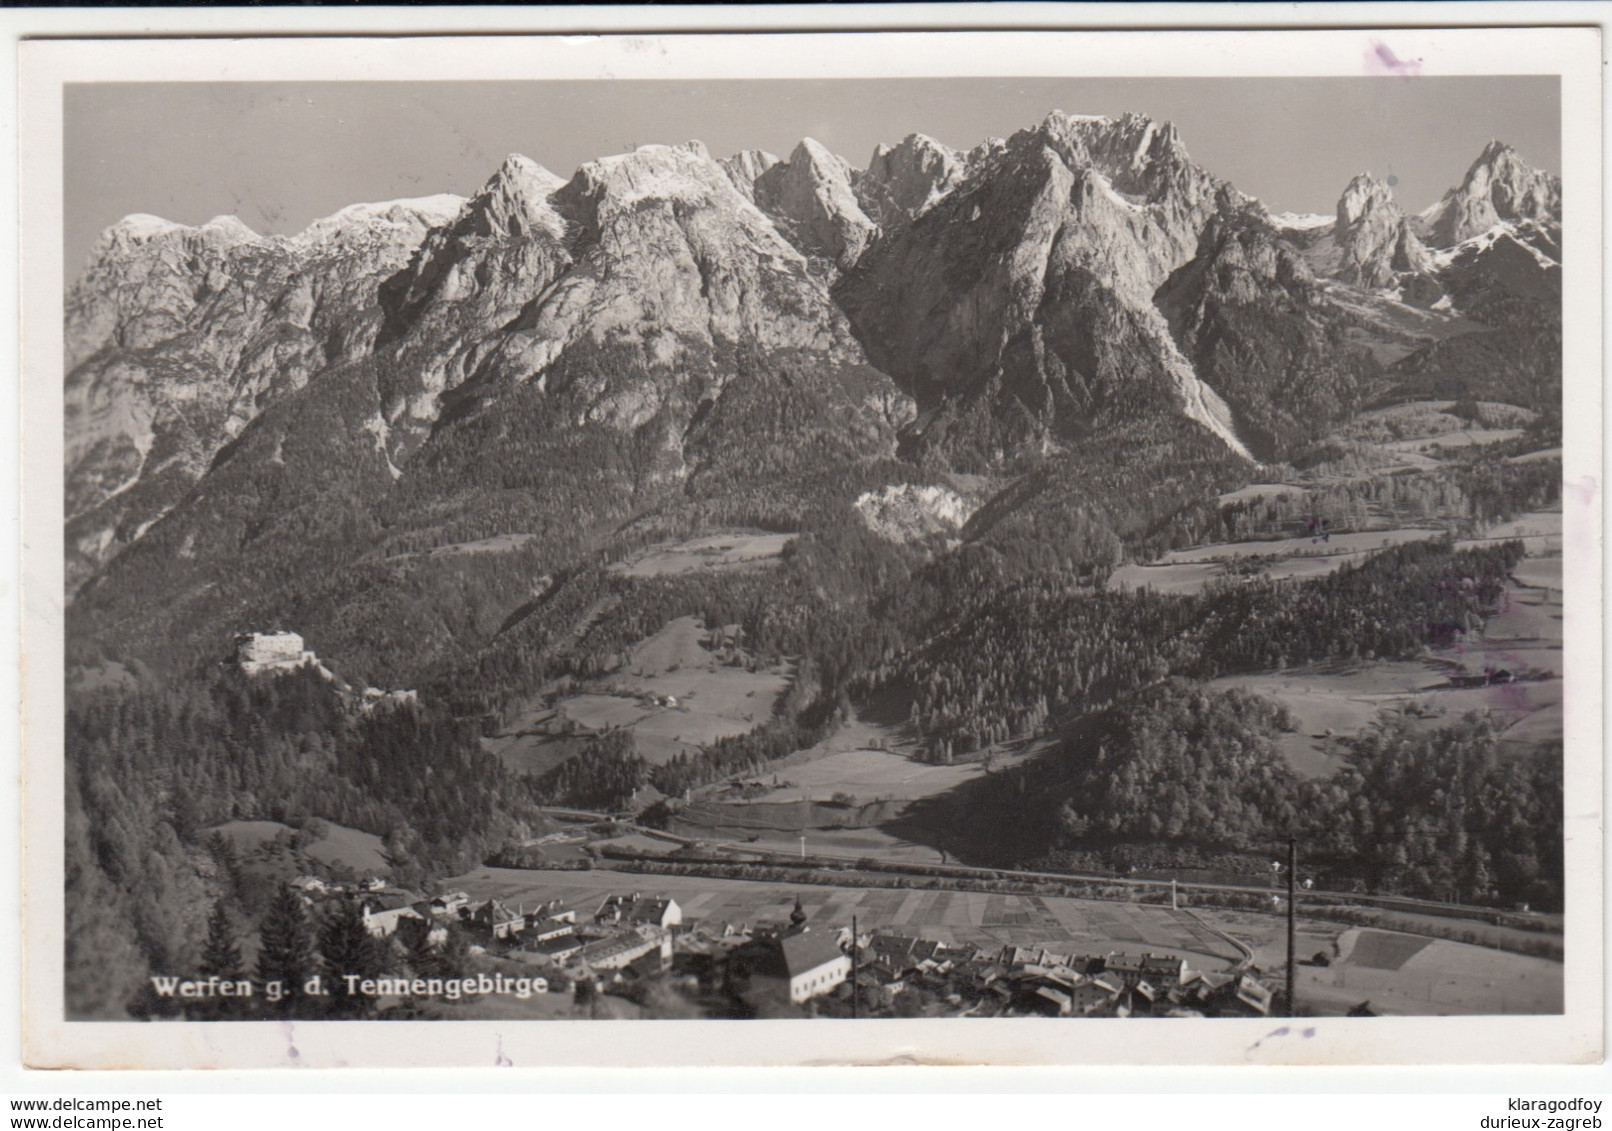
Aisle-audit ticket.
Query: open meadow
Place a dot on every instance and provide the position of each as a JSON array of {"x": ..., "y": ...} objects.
[
  {"x": 710, "y": 552},
  {"x": 673, "y": 693}
]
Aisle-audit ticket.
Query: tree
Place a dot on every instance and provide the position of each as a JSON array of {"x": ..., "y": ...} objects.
[
  {"x": 286, "y": 955},
  {"x": 221, "y": 956},
  {"x": 348, "y": 948}
]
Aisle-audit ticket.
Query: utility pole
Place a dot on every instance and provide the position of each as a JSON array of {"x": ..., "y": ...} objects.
[
  {"x": 855, "y": 990},
  {"x": 1292, "y": 926}
]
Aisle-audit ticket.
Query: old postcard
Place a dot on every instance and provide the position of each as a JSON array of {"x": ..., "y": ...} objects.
[{"x": 813, "y": 538}]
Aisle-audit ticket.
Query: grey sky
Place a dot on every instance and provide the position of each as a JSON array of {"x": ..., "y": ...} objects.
[{"x": 280, "y": 155}]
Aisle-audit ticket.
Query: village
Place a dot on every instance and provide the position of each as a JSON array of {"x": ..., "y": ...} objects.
[{"x": 640, "y": 948}]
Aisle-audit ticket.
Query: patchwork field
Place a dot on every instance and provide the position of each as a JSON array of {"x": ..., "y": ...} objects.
[
  {"x": 1454, "y": 441},
  {"x": 713, "y": 551},
  {"x": 1398, "y": 973},
  {"x": 977, "y": 918}
]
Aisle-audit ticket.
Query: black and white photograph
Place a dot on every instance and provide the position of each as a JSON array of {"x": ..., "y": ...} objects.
[{"x": 1090, "y": 544}]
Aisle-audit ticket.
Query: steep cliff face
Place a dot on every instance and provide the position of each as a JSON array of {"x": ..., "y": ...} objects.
[
  {"x": 653, "y": 257},
  {"x": 903, "y": 180},
  {"x": 744, "y": 167},
  {"x": 1499, "y": 187},
  {"x": 810, "y": 199},
  {"x": 1260, "y": 328},
  {"x": 1374, "y": 239},
  {"x": 664, "y": 341},
  {"x": 178, "y": 337},
  {"x": 1028, "y": 287},
  {"x": 1367, "y": 242}
]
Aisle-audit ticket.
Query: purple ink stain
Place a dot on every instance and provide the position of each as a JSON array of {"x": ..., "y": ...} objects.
[
  {"x": 290, "y": 1047},
  {"x": 1380, "y": 60},
  {"x": 1392, "y": 180},
  {"x": 1583, "y": 490},
  {"x": 500, "y": 1059}
]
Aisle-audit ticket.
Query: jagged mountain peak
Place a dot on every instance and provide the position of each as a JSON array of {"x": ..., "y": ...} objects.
[
  {"x": 1136, "y": 155},
  {"x": 810, "y": 149},
  {"x": 1363, "y": 193},
  {"x": 1137, "y": 136},
  {"x": 903, "y": 180},
  {"x": 914, "y": 144},
  {"x": 1494, "y": 151},
  {"x": 745, "y": 166},
  {"x": 514, "y": 202},
  {"x": 684, "y": 174},
  {"x": 1498, "y": 186},
  {"x": 811, "y": 198}
]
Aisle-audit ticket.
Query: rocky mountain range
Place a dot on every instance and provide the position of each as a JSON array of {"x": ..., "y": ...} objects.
[{"x": 665, "y": 338}]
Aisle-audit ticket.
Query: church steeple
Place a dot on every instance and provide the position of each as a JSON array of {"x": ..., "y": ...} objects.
[{"x": 797, "y": 917}]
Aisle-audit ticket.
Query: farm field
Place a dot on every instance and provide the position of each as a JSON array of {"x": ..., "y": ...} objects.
[
  {"x": 1334, "y": 700},
  {"x": 977, "y": 918},
  {"x": 1363, "y": 541},
  {"x": 497, "y": 544},
  {"x": 1540, "y": 532},
  {"x": 1305, "y": 558},
  {"x": 1451, "y": 441},
  {"x": 1398, "y": 973},
  {"x": 869, "y": 775},
  {"x": 1401, "y": 973},
  {"x": 1261, "y": 491},
  {"x": 360, "y": 851},
  {"x": 1524, "y": 637},
  {"x": 672, "y": 693},
  {"x": 713, "y": 551}
]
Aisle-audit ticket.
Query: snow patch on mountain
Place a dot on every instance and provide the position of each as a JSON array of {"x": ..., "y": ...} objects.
[
  {"x": 1302, "y": 221},
  {"x": 1485, "y": 240},
  {"x": 424, "y": 211}
]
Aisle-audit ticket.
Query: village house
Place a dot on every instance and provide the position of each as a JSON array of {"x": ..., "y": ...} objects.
[
  {"x": 417, "y": 930},
  {"x": 383, "y": 912},
  {"x": 795, "y": 965},
  {"x": 557, "y": 948},
  {"x": 493, "y": 920},
  {"x": 634, "y": 910},
  {"x": 540, "y": 927},
  {"x": 802, "y": 966},
  {"x": 1161, "y": 970},
  {"x": 619, "y": 951},
  {"x": 448, "y": 903}
]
